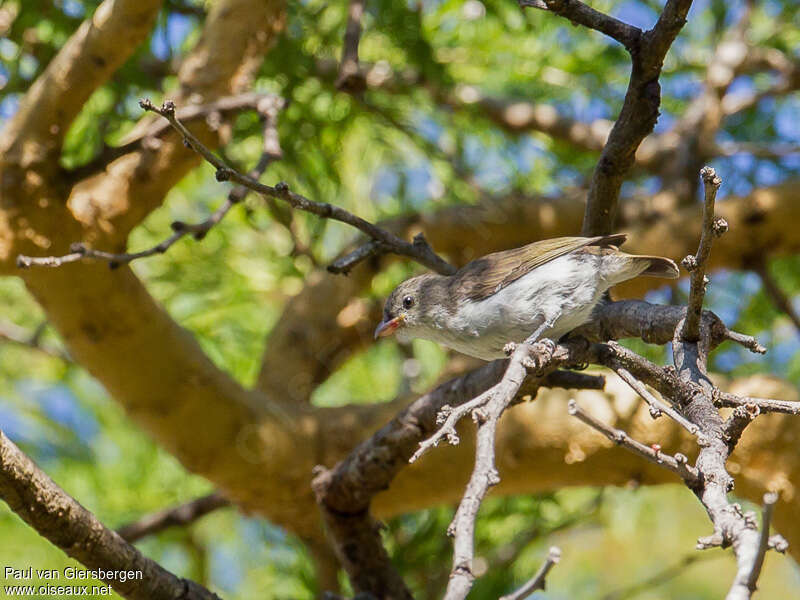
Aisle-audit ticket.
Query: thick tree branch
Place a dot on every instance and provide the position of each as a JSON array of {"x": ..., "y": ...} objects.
[
  {"x": 99, "y": 46},
  {"x": 636, "y": 119},
  {"x": 59, "y": 518}
]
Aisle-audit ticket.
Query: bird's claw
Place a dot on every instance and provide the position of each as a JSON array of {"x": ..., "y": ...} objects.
[{"x": 541, "y": 354}]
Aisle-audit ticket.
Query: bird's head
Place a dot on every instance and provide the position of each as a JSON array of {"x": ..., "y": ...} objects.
[{"x": 406, "y": 310}]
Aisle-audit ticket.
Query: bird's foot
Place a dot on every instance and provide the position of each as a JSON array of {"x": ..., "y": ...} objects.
[
  {"x": 541, "y": 354},
  {"x": 509, "y": 348}
]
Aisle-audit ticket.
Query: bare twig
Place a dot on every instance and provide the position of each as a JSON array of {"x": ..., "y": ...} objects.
[
  {"x": 656, "y": 406},
  {"x": 419, "y": 250},
  {"x": 763, "y": 542},
  {"x": 678, "y": 464},
  {"x": 507, "y": 387},
  {"x": 344, "y": 264},
  {"x": 14, "y": 334},
  {"x": 741, "y": 417},
  {"x": 344, "y": 493},
  {"x": 172, "y": 517},
  {"x": 764, "y": 405},
  {"x": 271, "y": 151},
  {"x": 31, "y": 494},
  {"x": 537, "y": 582},
  {"x": 583, "y": 14},
  {"x": 350, "y": 76},
  {"x": 696, "y": 264},
  {"x": 145, "y": 133}
]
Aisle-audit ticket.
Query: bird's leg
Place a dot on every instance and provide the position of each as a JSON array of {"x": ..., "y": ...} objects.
[
  {"x": 540, "y": 355},
  {"x": 541, "y": 350}
]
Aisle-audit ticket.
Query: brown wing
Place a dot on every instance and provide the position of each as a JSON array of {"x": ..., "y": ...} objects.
[{"x": 491, "y": 273}]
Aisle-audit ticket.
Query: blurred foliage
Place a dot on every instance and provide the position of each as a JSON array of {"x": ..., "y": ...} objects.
[{"x": 393, "y": 151}]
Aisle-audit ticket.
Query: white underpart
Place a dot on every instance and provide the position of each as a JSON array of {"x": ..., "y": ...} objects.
[{"x": 560, "y": 294}]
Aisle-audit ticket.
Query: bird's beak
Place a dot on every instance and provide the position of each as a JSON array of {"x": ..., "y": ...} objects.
[{"x": 385, "y": 327}]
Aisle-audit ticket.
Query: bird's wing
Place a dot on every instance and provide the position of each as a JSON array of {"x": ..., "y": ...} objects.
[{"x": 489, "y": 274}]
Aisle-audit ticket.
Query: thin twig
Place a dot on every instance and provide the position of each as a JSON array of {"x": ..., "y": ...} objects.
[
  {"x": 765, "y": 405},
  {"x": 176, "y": 516},
  {"x": 770, "y": 499},
  {"x": 351, "y": 77},
  {"x": 582, "y": 14},
  {"x": 677, "y": 464},
  {"x": 537, "y": 582},
  {"x": 270, "y": 153},
  {"x": 696, "y": 264},
  {"x": 656, "y": 406},
  {"x": 344, "y": 264},
  {"x": 14, "y": 334},
  {"x": 484, "y": 474},
  {"x": 449, "y": 417},
  {"x": 419, "y": 250}
]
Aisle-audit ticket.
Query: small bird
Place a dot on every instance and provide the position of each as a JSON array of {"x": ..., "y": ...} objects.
[{"x": 544, "y": 289}]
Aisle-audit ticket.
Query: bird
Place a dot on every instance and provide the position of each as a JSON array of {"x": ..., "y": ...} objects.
[{"x": 540, "y": 290}]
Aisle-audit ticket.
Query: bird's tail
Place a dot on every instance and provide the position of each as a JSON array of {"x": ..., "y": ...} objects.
[
  {"x": 618, "y": 266},
  {"x": 659, "y": 267}
]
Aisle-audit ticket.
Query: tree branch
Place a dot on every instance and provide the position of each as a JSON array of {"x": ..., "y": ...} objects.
[
  {"x": 766, "y": 516},
  {"x": 176, "y": 516},
  {"x": 678, "y": 464},
  {"x": 419, "y": 250},
  {"x": 636, "y": 119},
  {"x": 99, "y": 46},
  {"x": 269, "y": 107},
  {"x": 59, "y": 518},
  {"x": 350, "y": 76},
  {"x": 14, "y": 334},
  {"x": 537, "y": 582},
  {"x": 696, "y": 264},
  {"x": 582, "y": 14}
]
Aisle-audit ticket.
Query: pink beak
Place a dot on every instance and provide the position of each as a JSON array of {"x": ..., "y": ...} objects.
[{"x": 385, "y": 327}]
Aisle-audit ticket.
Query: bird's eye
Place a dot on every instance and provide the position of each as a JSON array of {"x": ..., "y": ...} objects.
[{"x": 408, "y": 302}]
